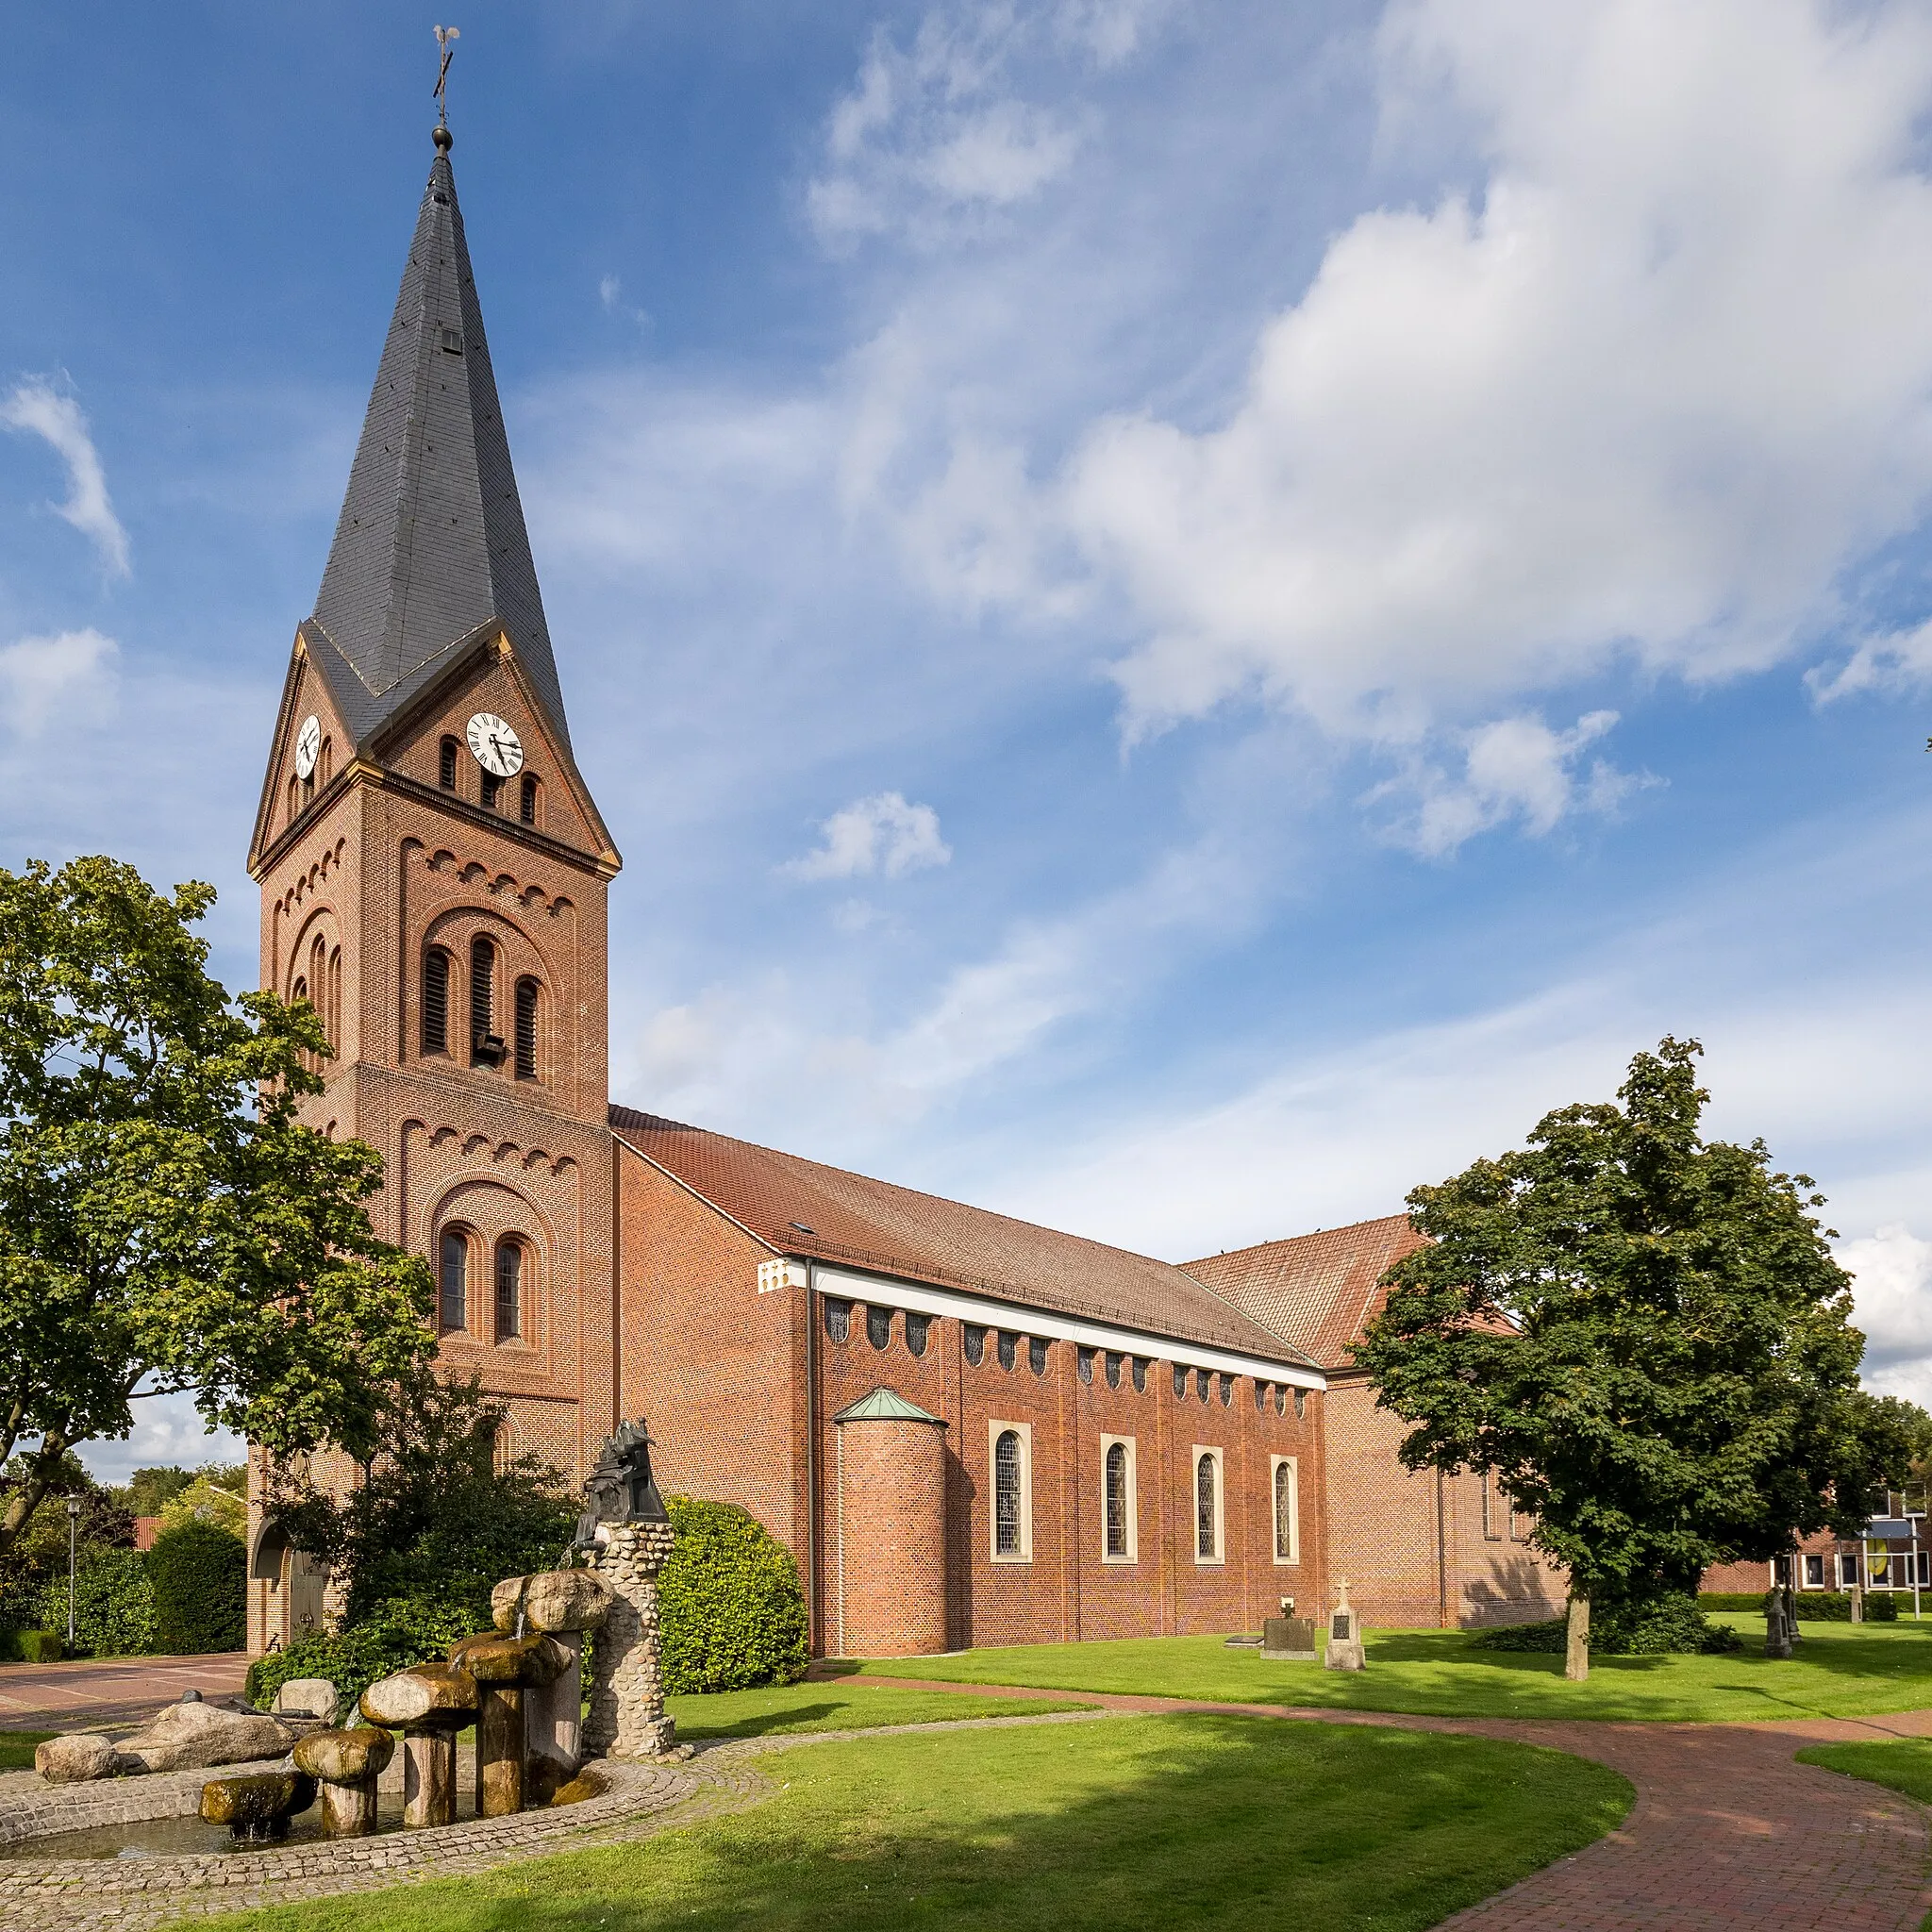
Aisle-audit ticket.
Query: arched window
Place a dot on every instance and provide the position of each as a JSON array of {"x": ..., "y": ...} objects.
[
  {"x": 295, "y": 800},
  {"x": 453, "y": 1280},
  {"x": 308, "y": 788},
  {"x": 1260, "y": 1397},
  {"x": 837, "y": 1319},
  {"x": 1035, "y": 1355},
  {"x": 1180, "y": 1383},
  {"x": 509, "y": 1290},
  {"x": 486, "y": 1043},
  {"x": 1207, "y": 1507},
  {"x": 1201, "y": 1384},
  {"x": 1140, "y": 1367},
  {"x": 526, "y": 1029},
  {"x": 1226, "y": 1391},
  {"x": 973, "y": 1338},
  {"x": 1300, "y": 1403},
  {"x": 1010, "y": 1348},
  {"x": 446, "y": 764},
  {"x": 1114, "y": 1359},
  {"x": 917, "y": 1328},
  {"x": 325, "y": 762},
  {"x": 334, "y": 998},
  {"x": 527, "y": 807},
  {"x": 436, "y": 1001},
  {"x": 1117, "y": 1506},
  {"x": 1286, "y": 1539},
  {"x": 879, "y": 1326},
  {"x": 1281, "y": 1401},
  {"x": 1083, "y": 1363},
  {"x": 1008, "y": 1495}
]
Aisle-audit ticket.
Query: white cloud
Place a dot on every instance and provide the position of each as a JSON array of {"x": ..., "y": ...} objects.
[
  {"x": 1642, "y": 393},
  {"x": 1892, "y": 1269},
  {"x": 40, "y": 410},
  {"x": 882, "y": 835},
  {"x": 1513, "y": 768},
  {"x": 71, "y": 674},
  {"x": 1899, "y": 661},
  {"x": 167, "y": 1430}
]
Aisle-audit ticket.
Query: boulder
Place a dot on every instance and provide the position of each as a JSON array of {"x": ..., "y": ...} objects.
[
  {"x": 184, "y": 1737},
  {"x": 425, "y": 1697},
  {"x": 532, "y": 1660},
  {"x": 75, "y": 1759},
  {"x": 254, "y": 1807},
  {"x": 552, "y": 1600},
  {"x": 306, "y": 1697},
  {"x": 345, "y": 1758}
]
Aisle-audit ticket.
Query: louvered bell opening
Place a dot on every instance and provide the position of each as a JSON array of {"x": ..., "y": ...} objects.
[
  {"x": 436, "y": 1001},
  {"x": 526, "y": 1029},
  {"x": 486, "y": 1044}
]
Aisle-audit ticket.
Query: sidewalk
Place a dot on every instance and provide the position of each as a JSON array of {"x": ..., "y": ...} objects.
[{"x": 101, "y": 1694}]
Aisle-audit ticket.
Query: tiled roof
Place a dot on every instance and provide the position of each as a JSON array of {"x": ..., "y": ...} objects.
[
  {"x": 1314, "y": 1291},
  {"x": 430, "y": 547},
  {"x": 801, "y": 1208}
]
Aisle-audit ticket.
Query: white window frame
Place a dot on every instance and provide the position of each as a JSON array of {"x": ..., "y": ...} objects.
[
  {"x": 1807, "y": 1557},
  {"x": 1293, "y": 1464},
  {"x": 994, "y": 1430},
  {"x": 1126, "y": 1442},
  {"x": 1219, "y": 1559}
]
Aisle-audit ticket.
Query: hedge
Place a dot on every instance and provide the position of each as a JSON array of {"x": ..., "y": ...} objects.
[
  {"x": 199, "y": 1574},
  {"x": 40, "y": 1646},
  {"x": 113, "y": 1604},
  {"x": 1812, "y": 1605},
  {"x": 731, "y": 1613},
  {"x": 1670, "y": 1627},
  {"x": 397, "y": 1634}
]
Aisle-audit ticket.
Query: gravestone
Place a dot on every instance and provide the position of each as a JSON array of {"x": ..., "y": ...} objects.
[
  {"x": 1288, "y": 1639},
  {"x": 1777, "y": 1628},
  {"x": 1345, "y": 1648}
]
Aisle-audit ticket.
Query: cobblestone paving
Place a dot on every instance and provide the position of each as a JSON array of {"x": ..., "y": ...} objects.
[{"x": 1729, "y": 1831}]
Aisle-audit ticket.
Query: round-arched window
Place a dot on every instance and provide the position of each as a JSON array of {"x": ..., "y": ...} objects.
[
  {"x": 1207, "y": 1513},
  {"x": 1007, "y": 1494},
  {"x": 512, "y": 1272},
  {"x": 452, "y": 1280},
  {"x": 1117, "y": 1499}
]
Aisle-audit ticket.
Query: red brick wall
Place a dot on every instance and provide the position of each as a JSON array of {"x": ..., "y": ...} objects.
[{"x": 890, "y": 1538}]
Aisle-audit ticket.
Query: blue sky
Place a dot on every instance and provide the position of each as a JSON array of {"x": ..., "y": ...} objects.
[{"x": 1186, "y": 613}]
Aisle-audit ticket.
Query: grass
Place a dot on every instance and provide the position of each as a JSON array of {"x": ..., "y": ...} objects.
[
  {"x": 1840, "y": 1671},
  {"x": 17, "y": 1749},
  {"x": 849, "y": 1706},
  {"x": 1902, "y": 1766},
  {"x": 1184, "y": 1821}
]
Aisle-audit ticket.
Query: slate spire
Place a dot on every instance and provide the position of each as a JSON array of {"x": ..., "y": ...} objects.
[{"x": 431, "y": 545}]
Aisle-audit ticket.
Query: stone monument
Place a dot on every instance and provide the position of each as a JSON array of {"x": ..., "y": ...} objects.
[
  {"x": 1289, "y": 1638},
  {"x": 1344, "y": 1651},
  {"x": 625, "y": 1529},
  {"x": 1777, "y": 1626}
]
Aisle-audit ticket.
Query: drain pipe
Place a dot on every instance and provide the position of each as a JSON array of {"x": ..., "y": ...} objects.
[{"x": 814, "y": 1626}]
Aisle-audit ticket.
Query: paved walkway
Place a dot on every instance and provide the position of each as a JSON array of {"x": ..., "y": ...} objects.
[
  {"x": 1728, "y": 1833},
  {"x": 90, "y": 1694}
]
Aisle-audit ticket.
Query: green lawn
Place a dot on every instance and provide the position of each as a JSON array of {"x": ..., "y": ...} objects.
[
  {"x": 1905, "y": 1766},
  {"x": 850, "y": 1706},
  {"x": 17, "y": 1749},
  {"x": 1840, "y": 1671},
  {"x": 1184, "y": 1822}
]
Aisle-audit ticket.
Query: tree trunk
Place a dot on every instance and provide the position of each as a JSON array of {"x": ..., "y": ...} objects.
[{"x": 1577, "y": 1647}]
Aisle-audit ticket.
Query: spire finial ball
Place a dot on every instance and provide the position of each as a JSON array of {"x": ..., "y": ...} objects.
[{"x": 444, "y": 139}]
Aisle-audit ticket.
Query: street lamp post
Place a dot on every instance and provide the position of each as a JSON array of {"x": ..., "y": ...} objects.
[{"x": 72, "y": 1533}]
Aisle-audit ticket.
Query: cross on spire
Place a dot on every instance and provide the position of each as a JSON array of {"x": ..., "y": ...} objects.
[{"x": 445, "y": 39}]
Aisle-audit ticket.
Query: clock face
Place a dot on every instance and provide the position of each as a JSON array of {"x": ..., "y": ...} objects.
[
  {"x": 308, "y": 744},
  {"x": 494, "y": 745}
]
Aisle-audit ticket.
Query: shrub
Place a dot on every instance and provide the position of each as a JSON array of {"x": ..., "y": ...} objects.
[
  {"x": 1813, "y": 1605},
  {"x": 731, "y": 1613},
  {"x": 392, "y": 1637},
  {"x": 1670, "y": 1626},
  {"x": 113, "y": 1604},
  {"x": 41, "y": 1646},
  {"x": 199, "y": 1574}
]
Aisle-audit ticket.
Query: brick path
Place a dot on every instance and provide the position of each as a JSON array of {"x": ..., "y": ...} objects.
[
  {"x": 110, "y": 1691},
  {"x": 1728, "y": 1832}
]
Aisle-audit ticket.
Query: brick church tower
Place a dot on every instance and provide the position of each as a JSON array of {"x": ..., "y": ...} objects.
[{"x": 433, "y": 872}]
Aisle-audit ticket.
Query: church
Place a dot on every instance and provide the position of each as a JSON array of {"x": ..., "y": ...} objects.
[{"x": 968, "y": 1430}]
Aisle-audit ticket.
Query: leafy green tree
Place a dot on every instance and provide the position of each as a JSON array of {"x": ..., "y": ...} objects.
[
  {"x": 148, "y": 1491},
  {"x": 166, "y": 1222},
  {"x": 1643, "y": 1337},
  {"x": 436, "y": 1518}
]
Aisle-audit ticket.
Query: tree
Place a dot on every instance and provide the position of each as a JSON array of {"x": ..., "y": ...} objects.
[
  {"x": 435, "y": 1518},
  {"x": 166, "y": 1222},
  {"x": 1643, "y": 1338}
]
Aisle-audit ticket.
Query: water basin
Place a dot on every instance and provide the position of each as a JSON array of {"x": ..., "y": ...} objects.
[{"x": 189, "y": 1837}]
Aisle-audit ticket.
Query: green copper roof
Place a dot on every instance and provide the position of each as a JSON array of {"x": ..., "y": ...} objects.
[{"x": 882, "y": 1405}]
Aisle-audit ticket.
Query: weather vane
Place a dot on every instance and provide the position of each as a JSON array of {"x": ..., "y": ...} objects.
[{"x": 446, "y": 36}]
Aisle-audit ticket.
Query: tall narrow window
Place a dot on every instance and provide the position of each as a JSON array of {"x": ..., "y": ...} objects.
[
  {"x": 1008, "y": 1495},
  {"x": 1207, "y": 1507},
  {"x": 1201, "y": 1380},
  {"x": 295, "y": 800},
  {"x": 527, "y": 808},
  {"x": 447, "y": 765},
  {"x": 917, "y": 1328},
  {"x": 318, "y": 979},
  {"x": 973, "y": 1339},
  {"x": 326, "y": 762},
  {"x": 1083, "y": 1363},
  {"x": 308, "y": 786},
  {"x": 1490, "y": 1532},
  {"x": 526, "y": 1029},
  {"x": 879, "y": 1326},
  {"x": 1226, "y": 1391},
  {"x": 334, "y": 998},
  {"x": 1113, "y": 1368},
  {"x": 1035, "y": 1355},
  {"x": 453, "y": 1280},
  {"x": 486, "y": 1044},
  {"x": 1300, "y": 1403},
  {"x": 1260, "y": 1397},
  {"x": 1140, "y": 1367},
  {"x": 1287, "y": 1531},
  {"x": 1180, "y": 1383},
  {"x": 510, "y": 1291},
  {"x": 492, "y": 792},
  {"x": 1281, "y": 1401},
  {"x": 1009, "y": 1347},
  {"x": 436, "y": 1001},
  {"x": 1117, "y": 1504}
]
